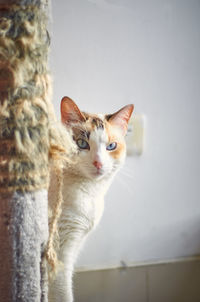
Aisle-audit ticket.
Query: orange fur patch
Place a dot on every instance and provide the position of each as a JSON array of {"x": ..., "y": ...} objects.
[{"x": 115, "y": 136}]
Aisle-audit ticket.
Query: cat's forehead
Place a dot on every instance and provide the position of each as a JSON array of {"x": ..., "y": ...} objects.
[
  {"x": 95, "y": 126},
  {"x": 95, "y": 121},
  {"x": 98, "y": 128}
]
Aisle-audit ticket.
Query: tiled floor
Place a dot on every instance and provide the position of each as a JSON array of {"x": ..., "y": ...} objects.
[{"x": 172, "y": 282}]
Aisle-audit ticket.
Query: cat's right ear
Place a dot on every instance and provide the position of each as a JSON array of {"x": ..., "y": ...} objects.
[{"x": 70, "y": 112}]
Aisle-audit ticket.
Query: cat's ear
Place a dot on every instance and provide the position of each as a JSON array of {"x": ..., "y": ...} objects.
[
  {"x": 121, "y": 117},
  {"x": 70, "y": 112}
]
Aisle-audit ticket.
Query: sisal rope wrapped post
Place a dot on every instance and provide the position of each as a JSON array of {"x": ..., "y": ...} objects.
[{"x": 28, "y": 139}]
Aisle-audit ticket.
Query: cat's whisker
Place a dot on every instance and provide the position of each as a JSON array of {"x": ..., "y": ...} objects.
[
  {"x": 127, "y": 174},
  {"x": 124, "y": 184},
  {"x": 127, "y": 169}
]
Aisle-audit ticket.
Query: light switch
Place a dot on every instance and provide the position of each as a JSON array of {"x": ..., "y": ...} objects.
[{"x": 135, "y": 135}]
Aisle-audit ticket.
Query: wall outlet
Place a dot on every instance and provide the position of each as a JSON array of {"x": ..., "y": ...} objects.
[{"x": 135, "y": 135}]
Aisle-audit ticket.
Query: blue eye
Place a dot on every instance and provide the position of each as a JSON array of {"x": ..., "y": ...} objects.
[
  {"x": 111, "y": 147},
  {"x": 82, "y": 144}
]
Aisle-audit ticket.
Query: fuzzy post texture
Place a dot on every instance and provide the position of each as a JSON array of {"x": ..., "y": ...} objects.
[
  {"x": 29, "y": 279},
  {"x": 24, "y": 125},
  {"x": 30, "y": 140},
  {"x": 23, "y": 235},
  {"x": 28, "y": 133}
]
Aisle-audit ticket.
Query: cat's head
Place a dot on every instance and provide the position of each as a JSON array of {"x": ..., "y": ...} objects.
[{"x": 99, "y": 138}]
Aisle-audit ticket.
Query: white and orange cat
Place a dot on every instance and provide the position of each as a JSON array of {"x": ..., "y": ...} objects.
[{"x": 101, "y": 153}]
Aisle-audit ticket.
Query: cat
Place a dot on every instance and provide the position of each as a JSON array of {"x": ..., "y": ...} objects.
[{"x": 101, "y": 151}]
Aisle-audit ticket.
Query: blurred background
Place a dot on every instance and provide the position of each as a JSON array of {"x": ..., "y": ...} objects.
[{"x": 104, "y": 55}]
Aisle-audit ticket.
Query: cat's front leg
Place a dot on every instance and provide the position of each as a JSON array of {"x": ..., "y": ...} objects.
[{"x": 60, "y": 289}]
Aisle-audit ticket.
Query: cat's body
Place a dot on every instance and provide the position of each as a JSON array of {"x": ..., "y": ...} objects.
[
  {"x": 86, "y": 181},
  {"x": 82, "y": 209}
]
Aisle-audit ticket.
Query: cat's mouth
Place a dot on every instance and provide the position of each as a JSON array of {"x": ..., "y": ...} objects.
[
  {"x": 99, "y": 173},
  {"x": 94, "y": 173}
]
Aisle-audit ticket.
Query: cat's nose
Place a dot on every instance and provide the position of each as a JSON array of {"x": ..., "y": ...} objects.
[{"x": 97, "y": 164}]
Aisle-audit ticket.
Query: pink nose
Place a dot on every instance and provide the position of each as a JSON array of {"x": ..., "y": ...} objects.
[{"x": 97, "y": 164}]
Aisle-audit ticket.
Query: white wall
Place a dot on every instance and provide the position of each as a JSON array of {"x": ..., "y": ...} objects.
[{"x": 106, "y": 54}]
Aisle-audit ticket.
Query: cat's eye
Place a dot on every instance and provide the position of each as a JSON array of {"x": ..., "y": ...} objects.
[
  {"x": 111, "y": 147},
  {"x": 82, "y": 144}
]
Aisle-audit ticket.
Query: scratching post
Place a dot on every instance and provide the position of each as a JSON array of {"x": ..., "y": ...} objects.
[{"x": 28, "y": 139}]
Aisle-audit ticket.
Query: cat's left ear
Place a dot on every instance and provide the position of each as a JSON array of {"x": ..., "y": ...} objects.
[
  {"x": 70, "y": 113},
  {"x": 121, "y": 117}
]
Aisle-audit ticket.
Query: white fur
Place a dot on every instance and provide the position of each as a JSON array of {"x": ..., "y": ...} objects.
[{"x": 83, "y": 192}]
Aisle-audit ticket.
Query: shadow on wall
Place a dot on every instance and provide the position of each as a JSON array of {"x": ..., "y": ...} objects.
[
  {"x": 157, "y": 242},
  {"x": 165, "y": 242}
]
